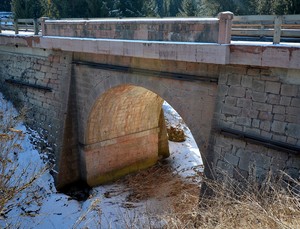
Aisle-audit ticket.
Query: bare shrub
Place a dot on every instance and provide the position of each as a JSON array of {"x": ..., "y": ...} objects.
[
  {"x": 176, "y": 134},
  {"x": 13, "y": 178}
]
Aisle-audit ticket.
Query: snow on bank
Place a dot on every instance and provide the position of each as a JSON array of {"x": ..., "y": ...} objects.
[{"x": 40, "y": 206}]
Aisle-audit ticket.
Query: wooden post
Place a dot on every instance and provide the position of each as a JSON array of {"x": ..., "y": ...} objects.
[
  {"x": 277, "y": 29},
  {"x": 225, "y": 23},
  {"x": 16, "y": 26}
]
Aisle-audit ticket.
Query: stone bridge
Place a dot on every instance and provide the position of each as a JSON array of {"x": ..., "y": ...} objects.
[{"x": 95, "y": 90}]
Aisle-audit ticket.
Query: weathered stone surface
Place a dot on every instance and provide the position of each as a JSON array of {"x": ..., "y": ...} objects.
[
  {"x": 289, "y": 90},
  {"x": 273, "y": 87}
]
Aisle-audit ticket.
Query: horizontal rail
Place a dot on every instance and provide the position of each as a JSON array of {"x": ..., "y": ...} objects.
[
  {"x": 17, "y": 25},
  {"x": 153, "y": 73},
  {"x": 24, "y": 84},
  {"x": 278, "y": 27},
  {"x": 276, "y": 145}
]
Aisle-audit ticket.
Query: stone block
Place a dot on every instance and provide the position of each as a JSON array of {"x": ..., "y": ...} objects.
[
  {"x": 238, "y": 143},
  {"x": 230, "y": 110},
  {"x": 234, "y": 79},
  {"x": 255, "y": 123},
  {"x": 243, "y": 121},
  {"x": 292, "y": 141},
  {"x": 278, "y": 127},
  {"x": 224, "y": 143},
  {"x": 251, "y": 113},
  {"x": 279, "y": 117},
  {"x": 293, "y": 111},
  {"x": 296, "y": 102},
  {"x": 240, "y": 175},
  {"x": 279, "y": 138},
  {"x": 259, "y": 96},
  {"x": 266, "y": 134},
  {"x": 292, "y": 119},
  {"x": 273, "y": 99},
  {"x": 223, "y": 79},
  {"x": 244, "y": 161},
  {"x": 293, "y": 162},
  {"x": 286, "y": 101},
  {"x": 261, "y": 160},
  {"x": 245, "y": 103},
  {"x": 262, "y": 106},
  {"x": 231, "y": 101},
  {"x": 247, "y": 81},
  {"x": 225, "y": 167},
  {"x": 231, "y": 159},
  {"x": 293, "y": 130},
  {"x": 223, "y": 90},
  {"x": 237, "y": 91},
  {"x": 273, "y": 87},
  {"x": 265, "y": 125},
  {"x": 258, "y": 85},
  {"x": 289, "y": 90},
  {"x": 251, "y": 130},
  {"x": 278, "y": 109}
]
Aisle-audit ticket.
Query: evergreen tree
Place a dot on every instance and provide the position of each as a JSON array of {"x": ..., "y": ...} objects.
[
  {"x": 189, "y": 8},
  {"x": 27, "y": 8},
  {"x": 5, "y": 5},
  {"x": 213, "y": 7},
  {"x": 174, "y": 7},
  {"x": 278, "y": 7},
  {"x": 150, "y": 8},
  {"x": 130, "y": 8},
  {"x": 50, "y": 9}
]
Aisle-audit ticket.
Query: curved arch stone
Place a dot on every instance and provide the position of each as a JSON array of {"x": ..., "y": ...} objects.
[{"x": 194, "y": 101}]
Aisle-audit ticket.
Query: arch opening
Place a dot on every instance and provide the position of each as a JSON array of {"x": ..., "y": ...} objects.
[{"x": 125, "y": 132}]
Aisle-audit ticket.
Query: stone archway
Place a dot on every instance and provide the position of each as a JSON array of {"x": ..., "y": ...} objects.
[
  {"x": 193, "y": 100},
  {"x": 125, "y": 133}
]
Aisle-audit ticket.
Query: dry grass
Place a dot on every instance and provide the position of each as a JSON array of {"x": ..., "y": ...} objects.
[
  {"x": 274, "y": 204},
  {"x": 13, "y": 179}
]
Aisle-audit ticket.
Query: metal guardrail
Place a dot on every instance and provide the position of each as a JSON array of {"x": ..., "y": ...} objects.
[
  {"x": 272, "y": 26},
  {"x": 28, "y": 25}
]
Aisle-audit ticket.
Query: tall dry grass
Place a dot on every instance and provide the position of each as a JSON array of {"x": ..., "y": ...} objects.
[
  {"x": 13, "y": 177},
  {"x": 275, "y": 203}
]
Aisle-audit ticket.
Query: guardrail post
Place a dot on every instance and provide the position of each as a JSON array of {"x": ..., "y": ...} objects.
[
  {"x": 225, "y": 23},
  {"x": 36, "y": 26},
  {"x": 43, "y": 26},
  {"x": 0, "y": 26},
  {"x": 16, "y": 26},
  {"x": 277, "y": 29}
]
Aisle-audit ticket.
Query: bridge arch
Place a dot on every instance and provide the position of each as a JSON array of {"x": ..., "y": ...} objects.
[{"x": 120, "y": 105}]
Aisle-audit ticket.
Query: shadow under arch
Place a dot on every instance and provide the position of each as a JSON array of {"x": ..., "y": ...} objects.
[{"x": 125, "y": 132}]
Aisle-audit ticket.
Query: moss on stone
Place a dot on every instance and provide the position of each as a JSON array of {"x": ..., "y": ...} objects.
[{"x": 116, "y": 174}]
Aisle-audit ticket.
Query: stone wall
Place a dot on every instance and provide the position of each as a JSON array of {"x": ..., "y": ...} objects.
[
  {"x": 262, "y": 103},
  {"x": 38, "y": 80},
  {"x": 192, "y": 30}
]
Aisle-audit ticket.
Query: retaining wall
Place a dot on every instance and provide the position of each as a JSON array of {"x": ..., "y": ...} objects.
[{"x": 264, "y": 105}]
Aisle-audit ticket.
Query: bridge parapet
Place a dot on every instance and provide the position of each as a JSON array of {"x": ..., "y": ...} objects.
[{"x": 207, "y": 30}]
